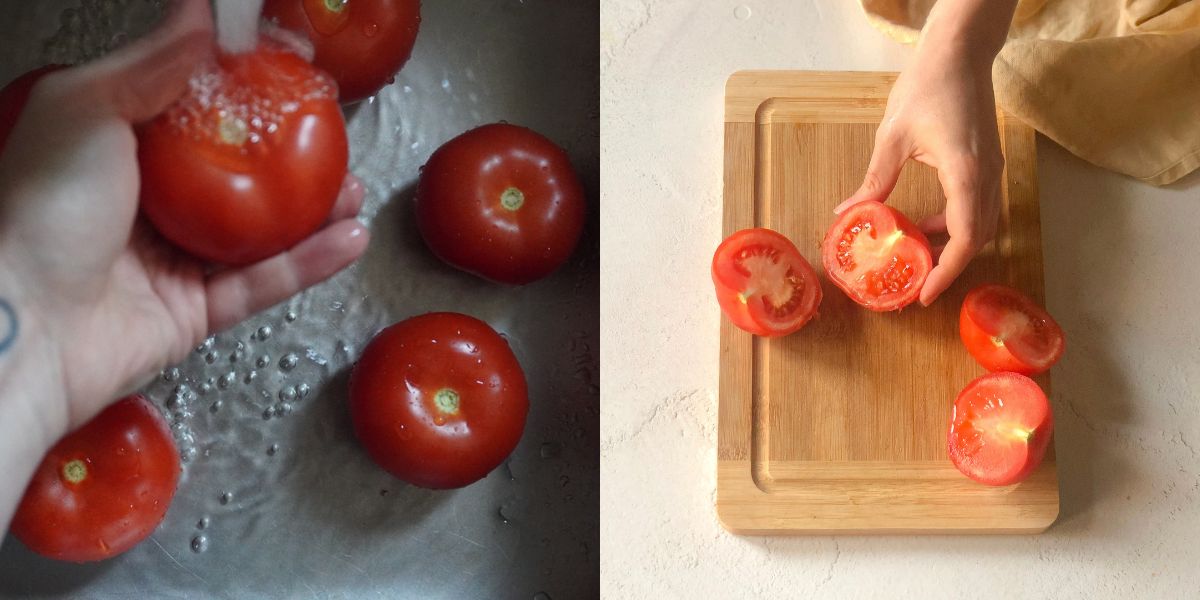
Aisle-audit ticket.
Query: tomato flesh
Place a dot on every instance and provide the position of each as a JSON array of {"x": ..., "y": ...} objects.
[
  {"x": 876, "y": 256},
  {"x": 103, "y": 488},
  {"x": 438, "y": 400},
  {"x": 763, "y": 284},
  {"x": 249, "y": 162},
  {"x": 1005, "y": 330},
  {"x": 1000, "y": 428},
  {"x": 360, "y": 43}
]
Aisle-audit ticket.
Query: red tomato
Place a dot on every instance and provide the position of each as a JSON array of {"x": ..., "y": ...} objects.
[
  {"x": 103, "y": 488},
  {"x": 361, "y": 43},
  {"x": 249, "y": 162},
  {"x": 1000, "y": 428},
  {"x": 438, "y": 400},
  {"x": 14, "y": 96},
  {"x": 502, "y": 202},
  {"x": 1006, "y": 331},
  {"x": 763, "y": 283},
  {"x": 877, "y": 256}
]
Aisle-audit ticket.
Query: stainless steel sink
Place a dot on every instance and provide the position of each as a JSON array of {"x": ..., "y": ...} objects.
[{"x": 277, "y": 499}]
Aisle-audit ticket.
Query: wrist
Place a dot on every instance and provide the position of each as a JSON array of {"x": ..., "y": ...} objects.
[
  {"x": 33, "y": 398},
  {"x": 973, "y": 31}
]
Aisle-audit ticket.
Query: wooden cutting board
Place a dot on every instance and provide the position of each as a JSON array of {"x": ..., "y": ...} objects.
[{"x": 841, "y": 427}]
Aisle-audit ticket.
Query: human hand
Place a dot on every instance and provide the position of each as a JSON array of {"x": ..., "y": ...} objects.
[
  {"x": 942, "y": 112},
  {"x": 109, "y": 301}
]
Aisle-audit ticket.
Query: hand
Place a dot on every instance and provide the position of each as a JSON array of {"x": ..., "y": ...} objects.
[
  {"x": 942, "y": 112},
  {"x": 108, "y": 299}
]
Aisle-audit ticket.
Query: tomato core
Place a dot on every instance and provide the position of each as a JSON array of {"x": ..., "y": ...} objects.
[
  {"x": 75, "y": 471},
  {"x": 512, "y": 198},
  {"x": 447, "y": 401},
  {"x": 232, "y": 130},
  {"x": 335, "y": 5}
]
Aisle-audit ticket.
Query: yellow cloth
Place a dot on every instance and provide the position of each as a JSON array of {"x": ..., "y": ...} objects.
[{"x": 1116, "y": 82}]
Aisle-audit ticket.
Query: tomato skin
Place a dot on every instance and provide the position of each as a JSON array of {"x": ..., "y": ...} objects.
[
  {"x": 235, "y": 190},
  {"x": 1000, "y": 442},
  {"x": 15, "y": 95},
  {"x": 132, "y": 470},
  {"x": 1030, "y": 347},
  {"x": 911, "y": 247},
  {"x": 461, "y": 199},
  {"x": 395, "y": 390},
  {"x": 362, "y": 46},
  {"x": 733, "y": 276}
]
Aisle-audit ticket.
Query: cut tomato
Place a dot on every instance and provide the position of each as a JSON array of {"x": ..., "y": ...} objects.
[
  {"x": 763, "y": 283},
  {"x": 1006, "y": 330},
  {"x": 877, "y": 256},
  {"x": 1000, "y": 428}
]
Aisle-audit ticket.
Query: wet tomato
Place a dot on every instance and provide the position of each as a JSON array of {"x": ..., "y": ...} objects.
[
  {"x": 1000, "y": 428},
  {"x": 361, "y": 43},
  {"x": 438, "y": 400},
  {"x": 502, "y": 202},
  {"x": 103, "y": 488},
  {"x": 14, "y": 96},
  {"x": 876, "y": 256},
  {"x": 1006, "y": 330},
  {"x": 249, "y": 162},
  {"x": 763, "y": 283}
]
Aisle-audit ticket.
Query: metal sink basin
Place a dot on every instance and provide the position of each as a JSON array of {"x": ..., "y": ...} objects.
[{"x": 277, "y": 499}]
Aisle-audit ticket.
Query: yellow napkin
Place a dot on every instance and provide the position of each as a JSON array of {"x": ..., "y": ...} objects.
[{"x": 1116, "y": 82}]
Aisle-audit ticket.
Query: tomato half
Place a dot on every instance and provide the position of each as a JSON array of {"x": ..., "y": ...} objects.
[
  {"x": 877, "y": 256},
  {"x": 502, "y": 202},
  {"x": 438, "y": 400},
  {"x": 1006, "y": 330},
  {"x": 763, "y": 283},
  {"x": 361, "y": 43},
  {"x": 249, "y": 162},
  {"x": 1000, "y": 428},
  {"x": 103, "y": 488},
  {"x": 14, "y": 96}
]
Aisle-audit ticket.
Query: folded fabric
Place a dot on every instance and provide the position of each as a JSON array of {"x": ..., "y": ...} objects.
[{"x": 1116, "y": 82}]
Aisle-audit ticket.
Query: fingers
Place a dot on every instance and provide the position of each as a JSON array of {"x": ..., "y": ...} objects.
[
  {"x": 143, "y": 78},
  {"x": 349, "y": 200},
  {"x": 236, "y": 294},
  {"x": 972, "y": 210},
  {"x": 933, "y": 224},
  {"x": 891, "y": 150},
  {"x": 953, "y": 260}
]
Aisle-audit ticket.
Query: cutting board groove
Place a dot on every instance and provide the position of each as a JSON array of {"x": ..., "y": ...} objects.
[{"x": 840, "y": 428}]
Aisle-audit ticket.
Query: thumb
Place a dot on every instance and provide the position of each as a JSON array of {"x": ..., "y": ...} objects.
[
  {"x": 143, "y": 78},
  {"x": 886, "y": 161}
]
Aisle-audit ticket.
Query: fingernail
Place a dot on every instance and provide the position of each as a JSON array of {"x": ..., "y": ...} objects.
[
  {"x": 352, "y": 183},
  {"x": 357, "y": 231}
]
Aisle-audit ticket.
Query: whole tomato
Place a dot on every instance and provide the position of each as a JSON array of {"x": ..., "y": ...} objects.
[
  {"x": 502, "y": 202},
  {"x": 103, "y": 488},
  {"x": 249, "y": 162},
  {"x": 438, "y": 400},
  {"x": 361, "y": 43}
]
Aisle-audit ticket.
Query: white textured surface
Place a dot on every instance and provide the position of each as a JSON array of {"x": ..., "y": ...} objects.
[{"x": 1123, "y": 278}]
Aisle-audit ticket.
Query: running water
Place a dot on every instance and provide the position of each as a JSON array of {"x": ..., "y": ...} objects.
[{"x": 237, "y": 24}]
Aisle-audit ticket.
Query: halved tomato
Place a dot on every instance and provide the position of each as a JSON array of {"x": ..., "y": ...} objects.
[
  {"x": 1006, "y": 330},
  {"x": 1000, "y": 428},
  {"x": 763, "y": 283},
  {"x": 877, "y": 256}
]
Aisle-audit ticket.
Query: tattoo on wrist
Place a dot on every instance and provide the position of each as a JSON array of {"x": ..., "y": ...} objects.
[{"x": 9, "y": 325}]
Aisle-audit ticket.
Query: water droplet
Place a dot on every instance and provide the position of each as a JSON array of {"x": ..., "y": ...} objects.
[
  {"x": 216, "y": 406},
  {"x": 267, "y": 414},
  {"x": 283, "y": 408},
  {"x": 272, "y": 449},
  {"x": 302, "y": 390},
  {"x": 263, "y": 361},
  {"x": 205, "y": 388},
  {"x": 199, "y": 544},
  {"x": 289, "y": 361},
  {"x": 287, "y": 393},
  {"x": 187, "y": 454},
  {"x": 202, "y": 523},
  {"x": 171, "y": 374},
  {"x": 226, "y": 498},
  {"x": 226, "y": 380},
  {"x": 313, "y": 355},
  {"x": 290, "y": 316},
  {"x": 264, "y": 332},
  {"x": 206, "y": 345},
  {"x": 370, "y": 29},
  {"x": 251, "y": 376},
  {"x": 503, "y": 517},
  {"x": 551, "y": 450},
  {"x": 742, "y": 13},
  {"x": 210, "y": 358}
]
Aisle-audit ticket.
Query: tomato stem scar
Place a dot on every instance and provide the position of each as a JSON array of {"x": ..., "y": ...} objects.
[
  {"x": 1022, "y": 433},
  {"x": 74, "y": 471},
  {"x": 446, "y": 400},
  {"x": 335, "y": 5},
  {"x": 512, "y": 198},
  {"x": 233, "y": 131},
  {"x": 997, "y": 341}
]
